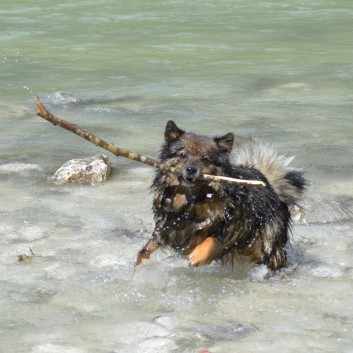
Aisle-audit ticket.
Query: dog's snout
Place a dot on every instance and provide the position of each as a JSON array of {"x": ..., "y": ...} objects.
[{"x": 191, "y": 169}]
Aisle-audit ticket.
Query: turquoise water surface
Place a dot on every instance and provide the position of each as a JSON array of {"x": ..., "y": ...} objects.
[{"x": 280, "y": 71}]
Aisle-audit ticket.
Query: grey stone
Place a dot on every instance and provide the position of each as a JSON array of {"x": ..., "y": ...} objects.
[{"x": 94, "y": 169}]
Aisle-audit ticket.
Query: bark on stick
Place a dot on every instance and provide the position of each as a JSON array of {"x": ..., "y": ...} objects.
[{"x": 43, "y": 113}]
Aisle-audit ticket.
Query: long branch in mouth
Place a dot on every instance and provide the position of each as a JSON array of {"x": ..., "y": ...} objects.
[{"x": 43, "y": 113}]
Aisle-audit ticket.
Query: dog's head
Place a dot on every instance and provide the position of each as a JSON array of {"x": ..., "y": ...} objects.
[{"x": 194, "y": 154}]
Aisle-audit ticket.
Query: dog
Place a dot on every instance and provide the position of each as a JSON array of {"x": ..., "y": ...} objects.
[{"x": 220, "y": 221}]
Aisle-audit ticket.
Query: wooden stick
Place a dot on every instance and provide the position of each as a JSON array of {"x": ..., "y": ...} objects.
[{"x": 43, "y": 113}]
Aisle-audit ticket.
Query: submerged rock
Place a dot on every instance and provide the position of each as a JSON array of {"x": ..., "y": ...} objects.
[
  {"x": 289, "y": 88},
  {"x": 87, "y": 170}
]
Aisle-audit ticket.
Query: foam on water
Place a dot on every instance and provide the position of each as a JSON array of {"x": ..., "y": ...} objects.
[
  {"x": 55, "y": 348},
  {"x": 20, "y": 168},
  {"x": 82, "y": 279}
]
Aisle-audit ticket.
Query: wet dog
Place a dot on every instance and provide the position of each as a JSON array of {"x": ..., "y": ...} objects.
[{"x": 220, "y": 221}]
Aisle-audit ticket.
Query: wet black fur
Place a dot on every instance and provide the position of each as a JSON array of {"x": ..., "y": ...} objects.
[{"x": 254, "y": 221}]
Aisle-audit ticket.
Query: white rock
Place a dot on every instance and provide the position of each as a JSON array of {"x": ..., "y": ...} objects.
[{"x": 87, "y": 170}]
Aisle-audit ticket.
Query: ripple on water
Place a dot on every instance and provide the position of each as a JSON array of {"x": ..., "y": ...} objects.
[
  {"x": 327, "y": 272},
  {"x": 20, "y": 168}
]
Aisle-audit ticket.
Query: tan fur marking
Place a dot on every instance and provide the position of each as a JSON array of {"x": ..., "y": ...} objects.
[
  {"x": 204, "y": 252},
  {"x": 210, "y": 210},
  {"x": 179, "y": 201},
  {"x": 254, "y": 252},
  {"x": 173, "y": 180},
  {"x": 197, "y": 144},
  {"x": 147, "y": 250}
]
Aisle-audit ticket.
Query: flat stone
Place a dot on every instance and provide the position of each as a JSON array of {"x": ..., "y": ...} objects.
[{"x": 94, "y": 169}]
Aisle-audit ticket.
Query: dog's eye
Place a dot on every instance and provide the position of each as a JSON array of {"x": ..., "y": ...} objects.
[
  {"x": 206, "y": 160},
  {"x": 183, "y": 156}
]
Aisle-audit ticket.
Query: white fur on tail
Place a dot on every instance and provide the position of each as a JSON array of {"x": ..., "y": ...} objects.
[{"x": 275, "y": 167}]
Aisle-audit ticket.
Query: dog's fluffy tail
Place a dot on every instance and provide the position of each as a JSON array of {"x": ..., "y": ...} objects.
[{"x": 288, "y": 183}]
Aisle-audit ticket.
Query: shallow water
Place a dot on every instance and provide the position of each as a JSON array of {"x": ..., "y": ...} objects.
[{"x": 281, "y": 72}]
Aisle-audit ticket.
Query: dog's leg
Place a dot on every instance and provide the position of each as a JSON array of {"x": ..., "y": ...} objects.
[
  {"x": 204, "y": 252},
  {"x": 277, "y": 260},
  {"x": 148, "y": 249}
]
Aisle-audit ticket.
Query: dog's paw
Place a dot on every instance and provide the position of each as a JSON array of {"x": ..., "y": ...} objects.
[{"x": 203, "y": 253}]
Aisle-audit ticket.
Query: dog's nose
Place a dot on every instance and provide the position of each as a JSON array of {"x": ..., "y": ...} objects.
[{"x": 191, "y": 169}]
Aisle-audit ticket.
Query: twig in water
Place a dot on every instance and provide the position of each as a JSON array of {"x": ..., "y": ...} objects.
[{"x": 24, "y": 257}]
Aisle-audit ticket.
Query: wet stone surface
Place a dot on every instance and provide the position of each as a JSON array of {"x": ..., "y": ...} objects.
[{"x": 87, "y": 170}]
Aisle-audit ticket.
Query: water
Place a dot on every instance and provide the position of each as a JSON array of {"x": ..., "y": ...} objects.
[{"x": 278, "y": 71}]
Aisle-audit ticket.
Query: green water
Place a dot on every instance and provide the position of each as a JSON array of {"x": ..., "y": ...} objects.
[
  {"x": 281, "y": 71},
  {"x": 114, "y": 48}
]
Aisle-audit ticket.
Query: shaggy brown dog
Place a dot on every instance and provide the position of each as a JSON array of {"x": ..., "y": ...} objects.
[{"x": 216, "y": 221}]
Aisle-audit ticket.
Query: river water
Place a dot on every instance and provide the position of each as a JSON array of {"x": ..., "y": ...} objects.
[{"x": 279, "y": 71}]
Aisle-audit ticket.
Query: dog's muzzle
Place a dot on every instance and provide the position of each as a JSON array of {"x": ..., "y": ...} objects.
[{"x": 190, "y": 174}]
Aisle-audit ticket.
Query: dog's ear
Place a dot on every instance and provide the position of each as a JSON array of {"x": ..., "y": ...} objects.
[
  {"x": 225, "y": 143},
  {"x": 172, "y": 132}
]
